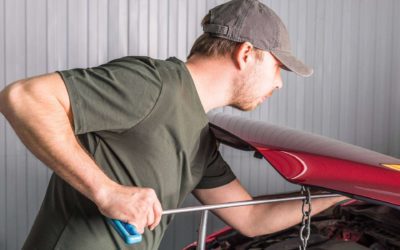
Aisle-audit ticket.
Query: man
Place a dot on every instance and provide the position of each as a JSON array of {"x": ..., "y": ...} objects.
[{"x": 130, "y": 138}]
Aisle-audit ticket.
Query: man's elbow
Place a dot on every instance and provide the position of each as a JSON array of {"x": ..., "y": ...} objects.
[
  {"x": 255, "y": 229},
  {"x": 2, "y": 101},
  {"x": 248, "y": 233},
  {"x": 11, "y": 96},
  {"x": 5, "y": 98}
]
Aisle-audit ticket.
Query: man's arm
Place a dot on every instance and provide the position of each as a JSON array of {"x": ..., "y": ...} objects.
[
  {"x": 39, "y": 111},
  {"x": 258, "y": 219}
]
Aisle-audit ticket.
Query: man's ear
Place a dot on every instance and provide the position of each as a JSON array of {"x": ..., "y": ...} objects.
[{"x": 243, "y": 55}]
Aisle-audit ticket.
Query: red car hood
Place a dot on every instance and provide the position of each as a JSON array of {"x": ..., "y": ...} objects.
[{"x": 308, "y": 159}]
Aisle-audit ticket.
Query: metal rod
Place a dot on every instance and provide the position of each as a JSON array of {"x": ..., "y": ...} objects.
[
  {"x": 201, "y": 241},
  {"x": 242, "y": 203}
]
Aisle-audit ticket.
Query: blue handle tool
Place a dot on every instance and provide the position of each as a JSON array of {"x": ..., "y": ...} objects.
[{"x": 127, "y": 231}]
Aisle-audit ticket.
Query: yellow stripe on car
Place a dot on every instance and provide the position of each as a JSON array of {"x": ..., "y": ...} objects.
[{"x": 392, "y": 166}]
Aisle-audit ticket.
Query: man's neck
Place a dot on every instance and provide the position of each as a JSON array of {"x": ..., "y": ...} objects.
[{"x": 213, "y": 80}]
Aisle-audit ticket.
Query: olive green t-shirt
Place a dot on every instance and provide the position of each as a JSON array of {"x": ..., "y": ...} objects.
[{"x": 142, "y": 121}]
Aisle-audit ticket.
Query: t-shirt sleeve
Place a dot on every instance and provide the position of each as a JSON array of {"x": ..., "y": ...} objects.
[
  {"x": 114, "y": 96},
  {"x": 217, "y": 173}
]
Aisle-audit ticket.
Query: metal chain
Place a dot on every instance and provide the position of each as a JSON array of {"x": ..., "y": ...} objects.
[{"x": 305, "y": 229}]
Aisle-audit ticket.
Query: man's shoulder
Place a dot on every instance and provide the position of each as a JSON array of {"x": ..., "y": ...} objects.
[
  {"x": 132, "y": 61},
  {"x": 145, "y": 65},
  {"x": 146, "y": 60}
]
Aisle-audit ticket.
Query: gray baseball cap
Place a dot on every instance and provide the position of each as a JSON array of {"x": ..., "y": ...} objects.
[{"x": 252, "y": 21}]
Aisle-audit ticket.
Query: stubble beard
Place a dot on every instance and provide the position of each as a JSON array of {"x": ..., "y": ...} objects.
[{"x": 240, "y": 100}]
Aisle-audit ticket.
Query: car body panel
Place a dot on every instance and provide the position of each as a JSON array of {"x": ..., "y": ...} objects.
[{"x": 308, "y": 159}]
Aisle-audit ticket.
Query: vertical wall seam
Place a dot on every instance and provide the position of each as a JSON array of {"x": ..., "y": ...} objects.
[
  {"x": 126, "y": 19},
  {"x": 26, "y": 38},
  {"x": 323, "y": 71},
  {"x": 391, "y": 72},
  {"x": 37, "y": 171},
  {"x": 87, "y": 34},
  {"x": 390, "y": 78},
  {"x": 187, "y": 29},
  {"x": 340, "y": 75},
  {"x": 47, "y": 36},
  {"x": 177, "y": 27},
  {"x": 168, "y": 11},
  {"x": 5, "y": 125},
  {"x": 307, "y": 61},
  {"x": 138, "y": 22},
  {"x": 357, "y": 75},
  {"x": 314, "y": 59},
  {"x": 107, "y": 32},
  {"x": 128, "y": 27},
  {"x": 158, "y": 21},
  {"x": 108, "y": 29},
  {"x": 375, "y": 47},
  {"x": 26, "y": 150},
  {"x": 148, "y": 28},
  {"x": 374, "y": 78},
  {"x": 67, "y": 34},
  {"x": 47, "y": 57},
  {"x": 298, "y": 81},
  {"x": 98, "y": 33},
  {"x": 286, "y": 113},
  {"x": 25, "y": 155},
  {"x": 338, "y": 85}
]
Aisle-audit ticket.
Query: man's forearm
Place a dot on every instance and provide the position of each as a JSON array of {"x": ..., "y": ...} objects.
[{"x": 274, "y": 217}]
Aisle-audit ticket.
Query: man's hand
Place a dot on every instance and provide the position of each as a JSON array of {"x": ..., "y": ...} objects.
[{"x": 137, "y": 206}]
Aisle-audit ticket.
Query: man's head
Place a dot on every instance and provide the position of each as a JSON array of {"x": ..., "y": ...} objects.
[
  {"x": 239, "y": 21},
  {"x": 242, "y": 28}
]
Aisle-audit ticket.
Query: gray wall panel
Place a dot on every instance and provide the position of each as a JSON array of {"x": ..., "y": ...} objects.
[
  {"x": 381, "y": 104},
  {"x": 2, "y": 133},
  {"x": 353, "y": 96},
  {"x": 345, "y": 75},
  {"x": 94, "y": 40},
  {"x": 365, "y": 74},
  {"x": 309, "y": 58},
  {"x": 118, "y": 29},
  {"x": 36, "y": 64},
  {"x": 394, "y": 105},
  {"x": 319, "y": 56},
  {"x": 77, "y": 29},
  {"x": 15, "y": 39},
  {"x": 57, "y": 37},
  {"x": 143, "y": 31},
  {"x": 133, "y": 19},
  {"x": 162, "y": 29}
]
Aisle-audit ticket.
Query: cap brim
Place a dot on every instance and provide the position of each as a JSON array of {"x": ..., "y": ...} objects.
[{"x": 291, "y": 63}]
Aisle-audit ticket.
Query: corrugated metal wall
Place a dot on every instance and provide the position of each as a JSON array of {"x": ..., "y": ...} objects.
[{"x": 354, "y": 94}]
